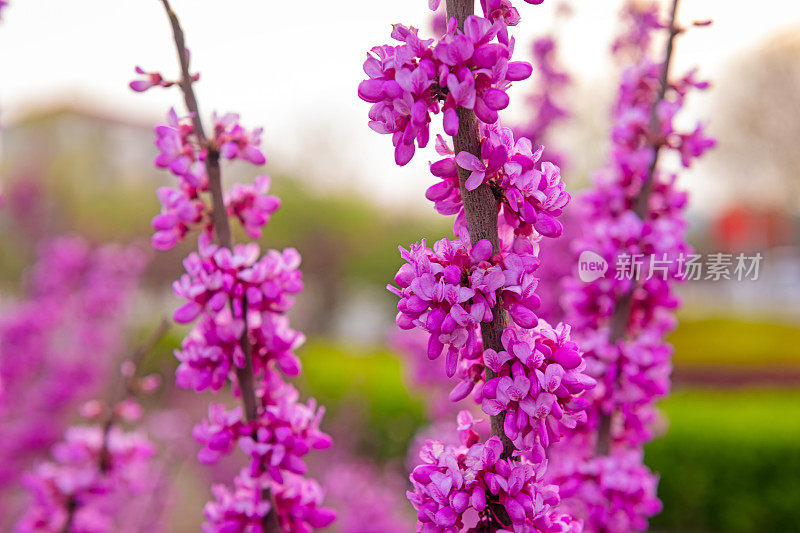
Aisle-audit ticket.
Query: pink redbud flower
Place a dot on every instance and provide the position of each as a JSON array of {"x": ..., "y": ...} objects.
[
  {"x": 454, "y": 481},
  {"x": 252, "y": 205},
  {"x": 297, "y": 503},
  {"x": 410, "y": 82},
  {"x": 450, "y": 290},
  {"x": 179, "y": 151},
  {"x": 532, "y": 194},
  {"x": 151, "y": 79},
  {"x": 234, "y": 142},
  {"x": 540, "y": 379},
  {"x": 179, "y": 214}
]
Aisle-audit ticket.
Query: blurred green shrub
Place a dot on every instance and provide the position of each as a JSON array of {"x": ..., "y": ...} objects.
[
  {"x": 365, "y": 397},
  {"x": 730, "y": 462},
  {"x": 731, "y": 341}
]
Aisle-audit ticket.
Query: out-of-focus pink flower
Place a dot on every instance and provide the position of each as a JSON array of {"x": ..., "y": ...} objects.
[
  {"x": 234, "y": 142},
  {"x": 252, "y": 205}
]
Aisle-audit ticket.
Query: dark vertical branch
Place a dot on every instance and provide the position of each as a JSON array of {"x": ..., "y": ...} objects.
[
  {"x": 219, "y": 217},
  {"x": 126, "y": 390},
  {"x": 222, "y": 229},
  {"x": 480, "y": 208},
  {"x": 640, "y": 206},
  {"x": 622, "y": 312}
]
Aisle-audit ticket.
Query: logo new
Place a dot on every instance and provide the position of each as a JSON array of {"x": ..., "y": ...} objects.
[{"x": 591, "y": 266}]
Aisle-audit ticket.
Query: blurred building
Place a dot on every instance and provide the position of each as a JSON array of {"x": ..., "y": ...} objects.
[{"x": 102, "y": 146}]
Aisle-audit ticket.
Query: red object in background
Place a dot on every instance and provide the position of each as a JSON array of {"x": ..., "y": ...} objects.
[{"x": 739, "y": 229}]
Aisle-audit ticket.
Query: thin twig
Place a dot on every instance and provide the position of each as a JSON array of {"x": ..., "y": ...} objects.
[
  {"x": 219, "y": 219},
  {"x": 127, "y": 390},
  {"x": 622, "y": 312},
  {"x": 640, "y": 207}
]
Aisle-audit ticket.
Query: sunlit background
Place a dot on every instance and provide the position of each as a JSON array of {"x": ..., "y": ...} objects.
[{"x": 77, "y": 154}]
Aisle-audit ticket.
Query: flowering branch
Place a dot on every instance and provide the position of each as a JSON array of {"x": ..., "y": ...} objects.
[
  {"x": 475, "y": 296},
  {"x": 621, "y": 316},
  {"x": 219, "y": 217},
  {"x": 222, "y": 228},
  {"x": 95, "y": 469},
  {"x": 633, "y": 217},
  {"x": 238, "y": 300},
  {"x": 480, "y": 208},
  {"x": 640, "y": 207},
  {"x": 129, "y": 389}
]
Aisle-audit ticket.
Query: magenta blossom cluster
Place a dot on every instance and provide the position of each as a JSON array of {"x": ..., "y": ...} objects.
[
  {"x": 96, "y": 470},
  {"x": 620, "y": 478},
  {"x": 276, "y": 443},
  {"x": 251, "y": 204},
  {"x": 449, "y": 290},
  {"x": 243, "y": 508},
  {"x": 410, "y": 82},
  {"x": 532, "y": 194},
  {"x": 539, "y": 377},
  {"x": 88, "y": 477},
  {"x": 456, "y": 487},
  {"x": 232, "y": 292},
  {"x": 633, "y": 209},
  {"x": 187, "y": 207},
  {"x": 241, "y": 278},
  {"x": 466, "y": 285},
  {"x": 639, "y": 22},
  {"x": 68, "y": 322},
  {"x": 237, "y": 299}
]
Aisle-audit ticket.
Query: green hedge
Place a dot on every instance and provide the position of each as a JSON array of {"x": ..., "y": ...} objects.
[
  {"x": 363, "y": 390},
  {"x": 734, "y": 341},
  {"x": 730, "y": 462}
]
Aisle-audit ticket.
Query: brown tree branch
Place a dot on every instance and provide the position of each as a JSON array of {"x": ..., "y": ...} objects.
[
  {"x": 219, "y": 217},
  {"x": 222, "y": 228},
  {"x": 622, "y": 312},
  {"x": 126, "y": 390},
  {"x": 640, "y": 206},
  {"x": 480, "y": 208}
]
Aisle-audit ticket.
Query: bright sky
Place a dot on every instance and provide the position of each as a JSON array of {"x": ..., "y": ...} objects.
[{"x": 293, "y": 67}]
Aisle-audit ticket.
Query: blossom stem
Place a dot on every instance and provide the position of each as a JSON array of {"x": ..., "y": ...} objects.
[
  {"x": 219, "y": 217},
  {"x": 621, "y": 315},
  {"x": 640, "y": 208},
  {"x": 127, "y": 390},
  {"x": 222, "y": 229},
  {"x": 480, "y": 208}
]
